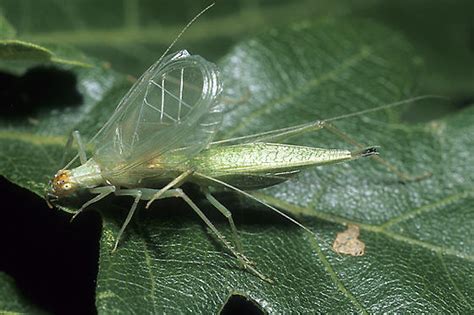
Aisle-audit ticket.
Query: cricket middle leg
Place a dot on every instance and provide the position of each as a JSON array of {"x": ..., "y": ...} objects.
[
  {"x": 150, "y": 194},
  {"x": 244, "y": 261}
]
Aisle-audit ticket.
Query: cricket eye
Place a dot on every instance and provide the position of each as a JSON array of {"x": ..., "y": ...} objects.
[{"x": 62, "y": 184}]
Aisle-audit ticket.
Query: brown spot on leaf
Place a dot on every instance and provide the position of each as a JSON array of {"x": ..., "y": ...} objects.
[{"x": 347, "y": 242}]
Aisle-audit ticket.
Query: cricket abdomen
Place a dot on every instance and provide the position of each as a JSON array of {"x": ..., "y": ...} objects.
[{"x": 258, "y": 165}]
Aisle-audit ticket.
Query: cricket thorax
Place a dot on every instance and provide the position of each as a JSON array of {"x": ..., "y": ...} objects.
[{"x": 66, "y": 182}]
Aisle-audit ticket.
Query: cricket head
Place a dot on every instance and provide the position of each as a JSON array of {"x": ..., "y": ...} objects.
[{"x": 61, "y": 185}]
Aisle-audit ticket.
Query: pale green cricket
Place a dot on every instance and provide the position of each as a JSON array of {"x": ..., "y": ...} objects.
[{"x": 161, "y": 136}]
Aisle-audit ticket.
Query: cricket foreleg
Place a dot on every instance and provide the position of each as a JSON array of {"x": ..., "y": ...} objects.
[
  {"x": 137, "y": 194},
  {"x": 102, "y": 193},
  {"x": 222, "y": 209},
  {"x": 244, "y": 261},
  {"x": 81, "y": 151},
  {"x": 80, "y": 146},
  {"x": 404, "y": 177}
]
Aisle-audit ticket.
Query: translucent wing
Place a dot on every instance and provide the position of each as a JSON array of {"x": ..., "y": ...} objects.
[{"x": 170, "y": 114}]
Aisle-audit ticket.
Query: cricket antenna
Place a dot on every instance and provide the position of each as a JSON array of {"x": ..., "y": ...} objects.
[
  {"x": 386, "y": 106},
  {"x": 185, "y": 28}
]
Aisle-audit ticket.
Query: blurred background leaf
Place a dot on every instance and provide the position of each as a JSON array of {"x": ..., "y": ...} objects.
[
  {"x": 12, "y": 301},
  {"x": 131, "y": 34}
]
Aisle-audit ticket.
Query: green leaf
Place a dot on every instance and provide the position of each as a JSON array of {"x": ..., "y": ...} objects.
[
  {"x": 419, "y": 249},
  {"x": 12, "y": 301},
  {"x": 131, "y": 34},
  {"x": 15, "y": 50},
  {"x": 6, "y": 30},
  {"x": 17, "y": 55}
]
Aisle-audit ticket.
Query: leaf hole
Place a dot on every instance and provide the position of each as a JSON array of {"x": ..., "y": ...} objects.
[
  {"x": 53, "y": 261},
  {"x": 240, "y": 304}
]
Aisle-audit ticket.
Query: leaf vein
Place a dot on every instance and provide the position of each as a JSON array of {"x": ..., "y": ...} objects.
[
  {"x": 334, "y": 277},
  {"x": 426, "y": 208},
  {"x": 455, "y": 286}
]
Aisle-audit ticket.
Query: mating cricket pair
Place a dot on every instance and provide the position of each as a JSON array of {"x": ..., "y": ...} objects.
[{"x": 161, "y": 136}]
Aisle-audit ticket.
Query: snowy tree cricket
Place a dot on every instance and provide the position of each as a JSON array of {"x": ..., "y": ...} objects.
[{"x": 161, "y": 136}]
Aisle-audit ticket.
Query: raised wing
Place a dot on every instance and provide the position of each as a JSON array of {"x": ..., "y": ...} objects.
[{"x": 172, "y": 111}]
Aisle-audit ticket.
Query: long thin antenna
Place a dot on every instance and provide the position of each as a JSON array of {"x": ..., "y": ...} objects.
[
  {"x": 386, "y": 106},
  {"x": 185, "y": 28}
]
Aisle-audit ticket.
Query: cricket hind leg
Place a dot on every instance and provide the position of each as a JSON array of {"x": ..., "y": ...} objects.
[
  {"x": 274, "y": 135},
  {"x": 285, "y": 133},
  {"x": 243, "y": 260}
]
